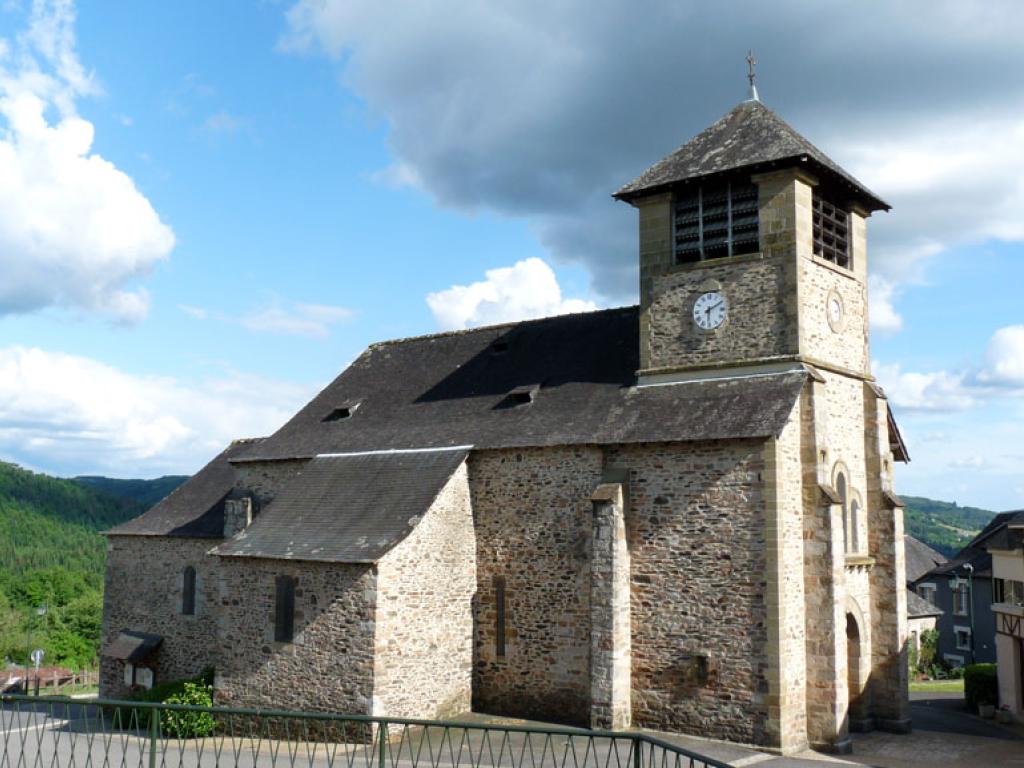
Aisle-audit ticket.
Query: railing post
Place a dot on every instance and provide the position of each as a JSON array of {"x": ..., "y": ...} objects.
[
  {"x": 637, "y": 760},
  {"x": 154, "y": 724},
  {"x": 382, "y": 730}
]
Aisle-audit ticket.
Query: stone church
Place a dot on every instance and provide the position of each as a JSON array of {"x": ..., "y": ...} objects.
[{"x": 677, "y": 515}]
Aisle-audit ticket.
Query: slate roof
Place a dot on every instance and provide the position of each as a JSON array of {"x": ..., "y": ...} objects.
[
  {"x": 920, "y": 558},
  {"x": 753, "y": 137},
  {"x": 132, "y": 646},
  {"x": 975, "y": 552},
  {"x": 196, "y": 508},
  {"x": 1007, "y": 536},
  {"x": 455, "y": 389},
  {"x": 918, "y": 607},
  {"x": 349, "y": 508}
]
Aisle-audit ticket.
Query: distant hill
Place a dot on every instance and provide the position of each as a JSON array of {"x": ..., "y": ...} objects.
[
  {"x": 942, "y": 525},
  {"x": 148, "y": 492},
  {"x": 51, "y": 553}
]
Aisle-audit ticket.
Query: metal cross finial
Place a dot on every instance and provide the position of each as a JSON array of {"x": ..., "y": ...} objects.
[{"x": 751, "y": 75}]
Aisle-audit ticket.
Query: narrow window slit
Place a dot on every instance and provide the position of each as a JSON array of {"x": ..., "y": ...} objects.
[{"x": 499, "y": 616}]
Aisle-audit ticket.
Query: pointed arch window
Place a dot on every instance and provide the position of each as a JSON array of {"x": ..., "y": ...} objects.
[
  {"x": 188, "y": 591},
  {"x": 843, "y": 491}
]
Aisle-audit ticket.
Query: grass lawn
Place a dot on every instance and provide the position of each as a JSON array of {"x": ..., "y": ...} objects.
[{"x": 938, "y": 686}]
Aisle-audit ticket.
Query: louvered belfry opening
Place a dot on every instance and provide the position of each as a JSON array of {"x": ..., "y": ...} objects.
[
  {"x": 831, "y": 231},
  {"x": 714, "y": 221}
]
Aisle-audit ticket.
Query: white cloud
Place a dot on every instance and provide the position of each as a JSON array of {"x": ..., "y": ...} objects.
[
  {"x": 312, "y": 320},
  {"x": 882, "y": 312},
  {"x": 72, "y": 415},
  {"x": 938, "y": 391},
  {"x": 1004, "y": 358},
  {"x": 528, "y": 289},
  {"x": 74, "y": 229},
  {"x": 197, "y": 313}
]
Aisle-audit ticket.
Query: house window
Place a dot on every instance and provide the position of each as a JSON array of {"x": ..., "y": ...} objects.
[
  {"x": 499, "y": 616},
  {"x": 1008, "y": 591},
  {"x": 284, "y": 610},
  {"x": 854, "y": 526},
  {"x": 831, "y": 226},
  {"x": 963, "y": 638},
  {"x": 927, "y": 591},
  {"x": 715, "y": 221},
  {"x": 841, "y": 489},
  {"x": 961, "y": 599},
  {"x": 188, "y": 591}
]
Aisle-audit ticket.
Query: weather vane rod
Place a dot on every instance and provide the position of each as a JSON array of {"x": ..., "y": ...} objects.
[{"x": 751, "y": 75}]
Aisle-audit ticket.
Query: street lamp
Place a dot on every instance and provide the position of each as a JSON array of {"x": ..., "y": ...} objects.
[{"x": 40, "y": 612}]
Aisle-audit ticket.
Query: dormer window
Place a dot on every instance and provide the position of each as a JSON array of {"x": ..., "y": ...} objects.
[
  {"x": 523, "y": 395},
  {"x": 831, "y": 231},
  {"x": 714, "y": 221},
  {"x": 341, "y": 412}
]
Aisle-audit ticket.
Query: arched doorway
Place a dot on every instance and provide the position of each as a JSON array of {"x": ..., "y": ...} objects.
[{"x": 856, "y": 679}]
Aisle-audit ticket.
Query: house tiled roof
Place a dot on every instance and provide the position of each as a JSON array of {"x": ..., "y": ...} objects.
[
  {"x": 918, "y": 607},
  {"x": 752, "y": 137},
  {"x": 196, "y": 508},
  {"x": 975, "y": 553},
  {"x": 568, "y": 380},
  {"x": 920, "y": 558},
  {"x": 347, "y": 508}
]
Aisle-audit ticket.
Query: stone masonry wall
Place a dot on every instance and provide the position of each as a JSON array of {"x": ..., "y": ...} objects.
[
  {"x": 329, "y": 665},
  {"x": 142, "y": 592},
  {"x": 758, "y": 324},
  {"x": 845, "y": 345},
  {"x": 532, "y": 514},
  {"x": 424, "y": 634},
  {"x": 696, "y": 532}
]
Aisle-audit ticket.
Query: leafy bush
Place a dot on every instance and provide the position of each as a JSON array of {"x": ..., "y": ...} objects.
[
  {"x": 981, "y": 686},
  {"x": 137, "y": 719},
  {"x": 929, "y": 649},
  {"x": 189, "y": 725}
]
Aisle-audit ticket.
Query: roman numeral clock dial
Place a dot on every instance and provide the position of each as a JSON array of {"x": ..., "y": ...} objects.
[{"x": 710, "y": 310}]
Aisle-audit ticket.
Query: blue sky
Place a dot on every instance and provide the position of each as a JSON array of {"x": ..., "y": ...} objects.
[{"x": 211, "y": 208}]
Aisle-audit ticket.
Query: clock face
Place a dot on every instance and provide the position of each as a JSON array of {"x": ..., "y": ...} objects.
[
  {"x": 834, "y": 307},
  {"x": 710, "y": 310}
]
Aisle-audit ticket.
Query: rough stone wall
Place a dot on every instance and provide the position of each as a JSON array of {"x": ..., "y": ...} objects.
[
  {"x": 696, "y": 532},
  {"x": 532, "y": 513},
  {"x": 784, "y": 576},
  {"x": 263, "y": 479},
  {"x": 824, "y": 579},
  {"x": 845, "y": 345},
  {"x": 758, "y": 326},
  {"x": 424, "y": 634},
  {"x": 142, "y": 592},
  {"x": 888, "y": 682},
  {"x": 329, "y": 665}
]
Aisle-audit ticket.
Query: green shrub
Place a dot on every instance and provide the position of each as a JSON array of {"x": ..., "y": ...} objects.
[
  {"x": 137, "y": 718},
  {"x": 189, "y": 725},
  {"x": 981, "y": 686},
  {"x": 929, "y": 649}
]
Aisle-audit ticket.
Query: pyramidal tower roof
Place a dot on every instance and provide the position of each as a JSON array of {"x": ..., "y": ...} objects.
[{"x": 753, "y": 137}]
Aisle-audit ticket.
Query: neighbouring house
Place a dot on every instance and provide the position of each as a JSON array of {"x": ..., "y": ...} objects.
[
  {"x": 678, "y": 515},
  {"x": 922, "y": 614},
  {"x": 962, "y": 589},
  {"x": 1006, "y": 546}
]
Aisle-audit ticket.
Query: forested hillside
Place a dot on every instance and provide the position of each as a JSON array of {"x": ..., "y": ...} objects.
[
  {"x": 148, "y": 492},
  {"x": 51, "y": 554},
  {"x": 942, "y": 525}
]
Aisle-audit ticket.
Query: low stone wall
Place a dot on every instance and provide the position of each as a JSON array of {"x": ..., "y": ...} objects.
[{"x": 142, "y": 592}]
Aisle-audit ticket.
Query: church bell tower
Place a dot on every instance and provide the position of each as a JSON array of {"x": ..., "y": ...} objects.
[{"x": 753, "y": 254}]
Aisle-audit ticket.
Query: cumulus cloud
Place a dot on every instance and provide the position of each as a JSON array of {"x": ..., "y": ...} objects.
[
  {"x": 541, "y": 110},
  {"x": 527, "y": 289},
  {"x": 882, "y": 311},
  {"x": 312, "y": 320},
  {"x": 75, "y": 231},
  {"x": 937, "y": 391},
  {"x": 1004, "y": 358},
  {"x": 70, "y": 414}
]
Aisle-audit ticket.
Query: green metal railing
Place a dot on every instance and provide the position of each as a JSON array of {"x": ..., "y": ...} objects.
[{"x": 70, "y": 733}]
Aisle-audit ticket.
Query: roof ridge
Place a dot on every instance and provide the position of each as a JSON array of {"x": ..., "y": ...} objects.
[{"x": 495, "y": 326}]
